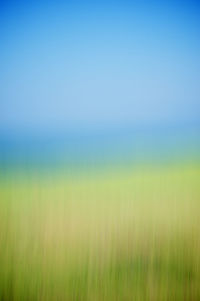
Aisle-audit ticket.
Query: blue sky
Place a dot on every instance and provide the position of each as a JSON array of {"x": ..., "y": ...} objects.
[{"x": 92, "y": 65}]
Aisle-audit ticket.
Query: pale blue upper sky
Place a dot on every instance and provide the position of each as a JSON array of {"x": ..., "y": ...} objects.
[{"x": 72, "y": 66}]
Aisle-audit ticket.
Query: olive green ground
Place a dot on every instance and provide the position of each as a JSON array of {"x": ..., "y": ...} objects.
[{"x": 119, "y": 234}]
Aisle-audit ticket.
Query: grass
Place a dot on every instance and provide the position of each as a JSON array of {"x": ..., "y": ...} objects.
[{"x": 120, "y": 234}]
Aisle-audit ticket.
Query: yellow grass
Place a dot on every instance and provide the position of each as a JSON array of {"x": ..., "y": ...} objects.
[{"x": 118, "y": 234}]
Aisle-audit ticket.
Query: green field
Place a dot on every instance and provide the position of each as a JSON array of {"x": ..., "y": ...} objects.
[{"x": 119, "y": 234}]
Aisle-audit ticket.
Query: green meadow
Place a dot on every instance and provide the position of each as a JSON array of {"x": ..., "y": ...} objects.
[{"x": 129, "y": 233}]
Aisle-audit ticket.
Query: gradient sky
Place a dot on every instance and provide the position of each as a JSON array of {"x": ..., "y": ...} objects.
[{"x": 105, "y": 64}]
